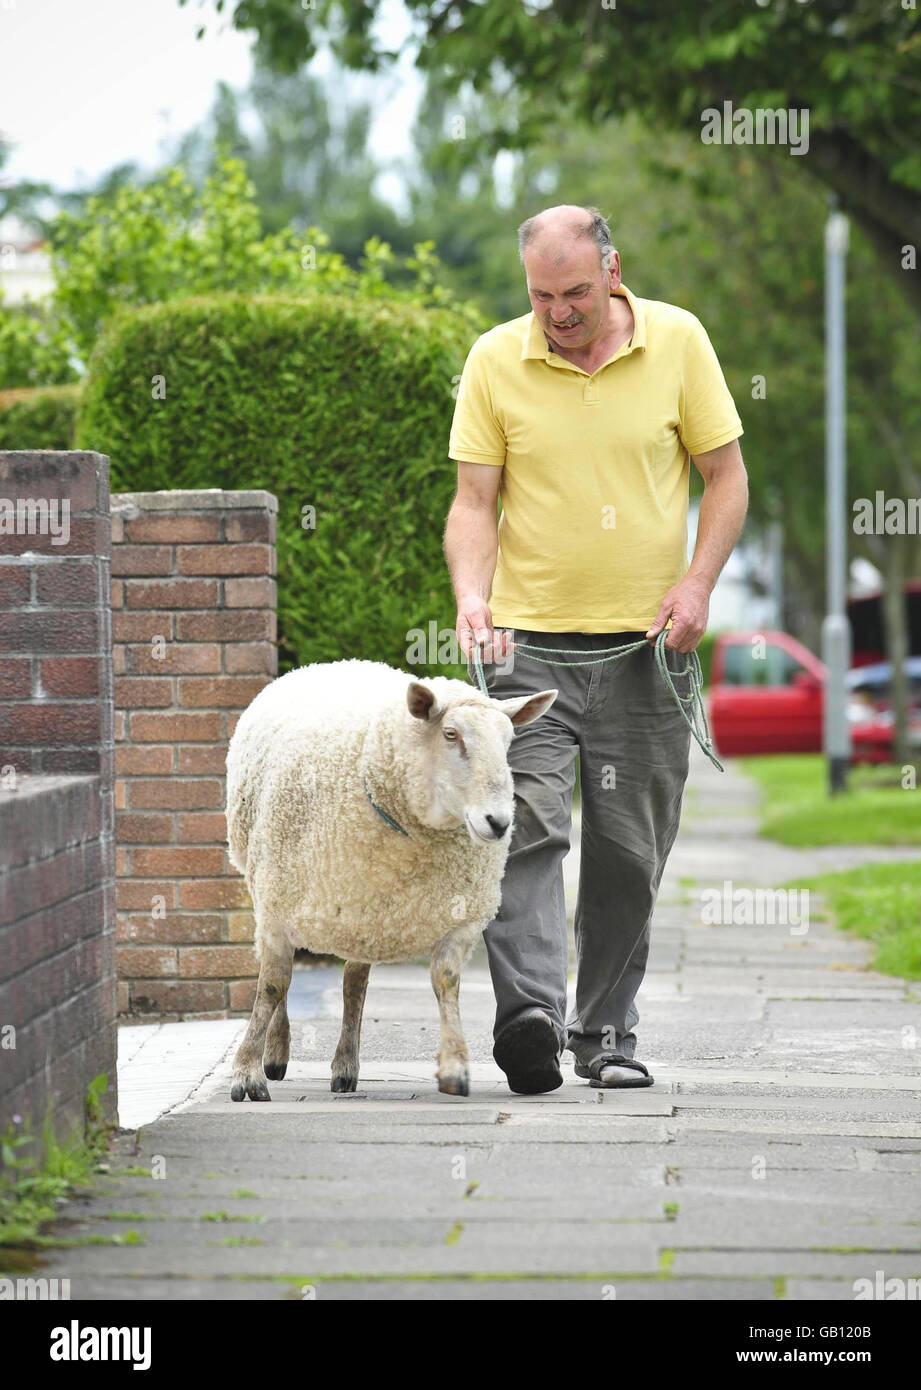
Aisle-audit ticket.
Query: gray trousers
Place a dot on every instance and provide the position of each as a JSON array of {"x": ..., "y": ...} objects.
[{"x": 633, "y": 747}]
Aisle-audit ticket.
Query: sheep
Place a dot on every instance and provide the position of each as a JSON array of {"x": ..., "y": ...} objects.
[{"x": 371, "y": 815}]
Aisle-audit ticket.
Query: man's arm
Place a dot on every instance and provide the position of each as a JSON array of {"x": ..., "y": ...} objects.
[
  {"x": 471, "y": 547},
  {"x": 722, "y": 514}
]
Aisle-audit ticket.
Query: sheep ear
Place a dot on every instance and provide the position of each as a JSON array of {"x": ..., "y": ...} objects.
[
  {"x": 421, "y": 701},
  {"x": 525, "y": 709}
]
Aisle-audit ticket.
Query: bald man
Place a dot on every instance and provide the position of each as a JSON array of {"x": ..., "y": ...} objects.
[{"x": 582, "y": 417}]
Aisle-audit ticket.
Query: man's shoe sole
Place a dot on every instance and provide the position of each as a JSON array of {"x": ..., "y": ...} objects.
[{"x": 528, "y": 1052}]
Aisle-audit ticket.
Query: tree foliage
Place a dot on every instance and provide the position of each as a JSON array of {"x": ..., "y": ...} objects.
[
  {"x": 853, "y": 64},
  {"x": 35, "y": 347},
  {"x": 305, "y": 143},
  {"x": 167, "y": 240}
]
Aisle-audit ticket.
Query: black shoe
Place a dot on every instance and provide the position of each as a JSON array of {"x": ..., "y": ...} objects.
[{"x": 528, "y": 1051}]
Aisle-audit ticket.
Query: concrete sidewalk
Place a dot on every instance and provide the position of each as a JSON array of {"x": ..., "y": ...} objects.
[{"x": 778, "y": 1154}]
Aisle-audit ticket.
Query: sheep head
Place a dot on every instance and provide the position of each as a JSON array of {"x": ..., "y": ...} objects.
[{"x": 466, "y": 738}]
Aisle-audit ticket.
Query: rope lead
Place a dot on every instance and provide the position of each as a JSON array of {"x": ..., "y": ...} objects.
[{"x": 691, "y": 705}]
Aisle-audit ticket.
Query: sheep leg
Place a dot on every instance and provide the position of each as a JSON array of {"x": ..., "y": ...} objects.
[
  {"x": 274, "y": 979},
  {"x": 447, "y": 959},
  {"x": 345, "y": 1061},
  {"x": 278, "y": 1042}
]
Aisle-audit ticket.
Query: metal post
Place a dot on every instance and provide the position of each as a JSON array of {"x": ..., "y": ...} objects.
[
  {"x": 775, "y": 572},
  {"x": 836, "y": 632}
]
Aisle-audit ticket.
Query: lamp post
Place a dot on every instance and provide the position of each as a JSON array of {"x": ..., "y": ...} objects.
[{"x": 836, "y": 633}]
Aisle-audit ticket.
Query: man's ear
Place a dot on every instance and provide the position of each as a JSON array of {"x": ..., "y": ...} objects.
[
  {"x": 421, "y": 701},
  {"x": 524, "y": 709}
]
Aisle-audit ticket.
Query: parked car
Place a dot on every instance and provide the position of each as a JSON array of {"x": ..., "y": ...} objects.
[
  {"x": 870, "y": 709},
  {"x": 767, "y": 696}
]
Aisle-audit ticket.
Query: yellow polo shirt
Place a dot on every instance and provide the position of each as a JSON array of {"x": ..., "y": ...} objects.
[{"x": 594, "y": 492}]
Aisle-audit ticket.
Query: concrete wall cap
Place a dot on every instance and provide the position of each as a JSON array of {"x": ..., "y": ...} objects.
[{"x": 207, "y": 499}]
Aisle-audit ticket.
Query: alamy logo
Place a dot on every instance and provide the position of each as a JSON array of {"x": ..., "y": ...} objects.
[
  {"x": 34, "y": 1290},
  {"x": 880, "y": 515},
  {"x": 763, "y": 126},
  {"x": 76, "y": 1343},
  {"x": 756, "y": 907},
  {"x": 36, "y": 516},
  {"x": 890, "y": 1290}
]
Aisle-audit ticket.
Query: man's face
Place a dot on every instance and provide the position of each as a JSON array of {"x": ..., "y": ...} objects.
[{"x": 571, "y": 296}]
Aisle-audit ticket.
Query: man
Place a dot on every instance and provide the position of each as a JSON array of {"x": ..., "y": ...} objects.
[{"x": 582, "y": 416}]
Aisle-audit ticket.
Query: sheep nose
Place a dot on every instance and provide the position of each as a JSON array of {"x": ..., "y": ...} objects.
[{"x": 497, "y": 826}]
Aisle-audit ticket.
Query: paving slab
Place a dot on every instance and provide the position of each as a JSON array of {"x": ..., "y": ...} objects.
[
  {"x": 774, "y": 1054},
  {"x": 514, "y": 1251},
  {"x": 132, "y": 1288},
  {"x": 577, "y": 1290},
  {"x": 832, "y": 1262},
  {"x": 771, "y": 1185},
  {"x": 834, "y": 1290}
]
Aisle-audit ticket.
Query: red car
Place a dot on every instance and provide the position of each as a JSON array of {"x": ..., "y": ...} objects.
[{"x": 767, "y": 694}]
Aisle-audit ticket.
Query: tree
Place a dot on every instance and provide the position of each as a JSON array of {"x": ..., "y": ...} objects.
[
  {"x": 167, "y": 240},
  {"x": 163, "y": 241},
  {"x": 852, "y": 64},
  {"x": 307, "y": 156},
  {"x": 35, "y": 348},
  {"x": 22, "y": 197}
]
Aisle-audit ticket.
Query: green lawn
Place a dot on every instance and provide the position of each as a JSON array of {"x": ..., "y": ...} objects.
[
  {"x": 797, "y": 810},
  {"x": 878, "y": 902},
  {"x": 881, "y": 903}
]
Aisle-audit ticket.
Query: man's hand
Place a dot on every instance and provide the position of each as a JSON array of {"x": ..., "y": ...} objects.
[
  {"x": 687, "y": 603},
  {"x": 474, "y": 625}
]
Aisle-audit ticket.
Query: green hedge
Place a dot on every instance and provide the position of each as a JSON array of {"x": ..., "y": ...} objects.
[
  {"x": 337, "y": 403},
  {"x": 705, "y": 655},
  {"x": 41, "y": 417}
]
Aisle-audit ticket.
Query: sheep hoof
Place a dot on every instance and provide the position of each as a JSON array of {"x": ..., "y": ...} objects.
[
  {"x": 454, "y": 1083},
  {"x": 252, "y": 1086},
  {"x": 275, "y": 1071},
  {"x": 344, "y": 1081}
]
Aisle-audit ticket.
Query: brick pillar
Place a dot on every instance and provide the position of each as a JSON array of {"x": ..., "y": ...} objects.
[
  {"x": 55, "y": 634},
  {"x": 57, "y": 899},
  {"x": 193, "y": 597}
]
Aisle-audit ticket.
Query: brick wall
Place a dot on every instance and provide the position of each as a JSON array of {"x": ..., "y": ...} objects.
[
  {"x": 193, "y": 598},
  {"x": 55, "y": 634},
  {"x": 57, "y": 906},
  {"x": 57, "y": 983}
]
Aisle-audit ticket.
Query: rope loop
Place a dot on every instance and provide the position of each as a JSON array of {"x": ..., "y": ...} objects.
[{"x": 691, "y": 705}]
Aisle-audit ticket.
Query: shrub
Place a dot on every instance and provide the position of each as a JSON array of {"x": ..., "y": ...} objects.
[
  {"x": 705, "y": 655},
  {"x": 40, "y": 418},
  {"x": 35, "y": 346},
  {"x": 337, "y": 403},
  {"x": 166, "y": 240}
]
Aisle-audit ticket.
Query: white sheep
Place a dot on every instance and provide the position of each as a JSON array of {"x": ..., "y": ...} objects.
[{"x": 318, "y": 760}]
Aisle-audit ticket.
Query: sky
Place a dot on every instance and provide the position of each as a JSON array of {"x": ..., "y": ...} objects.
[{"x": 88, "y": 84}]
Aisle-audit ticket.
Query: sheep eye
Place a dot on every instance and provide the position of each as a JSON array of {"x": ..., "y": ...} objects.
[{"x": 451, "y": 735}]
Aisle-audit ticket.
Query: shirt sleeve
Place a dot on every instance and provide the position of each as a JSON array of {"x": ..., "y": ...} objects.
[
  {"x": 477, "y": 435},
  {"x": 707, "y": 417}
]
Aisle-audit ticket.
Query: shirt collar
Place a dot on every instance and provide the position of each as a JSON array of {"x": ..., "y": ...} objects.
[{"x": 534, "y": 340}]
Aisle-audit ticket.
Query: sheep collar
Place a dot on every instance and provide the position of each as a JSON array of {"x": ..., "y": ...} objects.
[{"x": 383, "y": 814}]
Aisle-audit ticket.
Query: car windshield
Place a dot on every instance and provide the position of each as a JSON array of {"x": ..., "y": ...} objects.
[
  {"x": 759, "y": 664},
  {"x": 876, "y": 680}
]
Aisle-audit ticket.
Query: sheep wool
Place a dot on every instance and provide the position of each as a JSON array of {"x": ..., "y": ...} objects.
[{"x": 323, "y": 868}]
